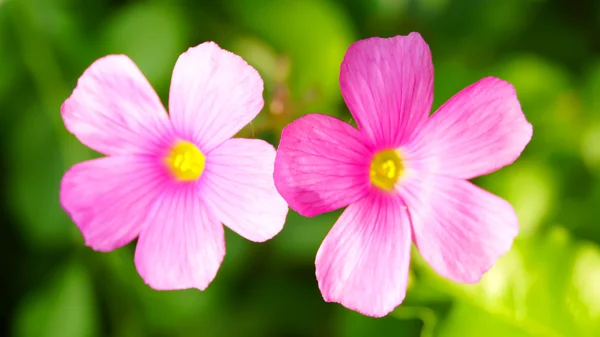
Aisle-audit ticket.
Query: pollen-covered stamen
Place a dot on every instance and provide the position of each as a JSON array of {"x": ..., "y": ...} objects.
[
  {"x": 386, "y": 169},
  {"x": 185, "y": 161}
]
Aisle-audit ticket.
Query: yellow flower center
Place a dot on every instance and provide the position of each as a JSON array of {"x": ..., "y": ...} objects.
[
  {"x": 185, "y": 161},
  {"x": 386, "y": 169}
]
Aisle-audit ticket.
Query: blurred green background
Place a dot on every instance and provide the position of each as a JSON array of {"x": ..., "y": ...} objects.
[{"x": 547, "y": 285}]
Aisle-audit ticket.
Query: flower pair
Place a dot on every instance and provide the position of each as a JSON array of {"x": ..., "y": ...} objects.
[{"x": 173, "y": 180}]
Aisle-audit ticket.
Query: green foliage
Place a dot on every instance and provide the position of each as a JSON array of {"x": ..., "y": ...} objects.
[{"x": 543, "y": 287}]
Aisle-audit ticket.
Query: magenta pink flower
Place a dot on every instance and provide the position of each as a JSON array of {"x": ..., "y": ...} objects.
[
  {"x": 171, "y": 180},
  {"x": 403, "y": 174}
]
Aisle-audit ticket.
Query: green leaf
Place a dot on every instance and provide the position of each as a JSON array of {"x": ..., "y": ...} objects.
[
  {"x": 469, "y": 321},
  {"x": 64, "y": 307},
  {"x": 583, "y": 292},
  {"x": 541, "y": 286},
  {"x": 590, "y": 145},
  {"x": 530, "y": 186}
]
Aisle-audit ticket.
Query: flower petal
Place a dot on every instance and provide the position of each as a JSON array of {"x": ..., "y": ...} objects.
[
  {"x": 183, "y": 244},
  {"x": 363, "y": 262},
  {"x": 460, "y": 229},
  {"x": 238, "y": 187},
  {"x": 108, "y": 198},
  {"x": 387, "y": 84},
  {"x": 114, "y": 110},
  {"x": 214, "y": 94},
  {"x": 478, "y": 131},
  {"x": 322, "y": 164}
]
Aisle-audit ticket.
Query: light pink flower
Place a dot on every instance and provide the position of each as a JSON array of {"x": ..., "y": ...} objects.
[
  {"x": 171, "y": 180},
  {"x": 403, "y": 174}
]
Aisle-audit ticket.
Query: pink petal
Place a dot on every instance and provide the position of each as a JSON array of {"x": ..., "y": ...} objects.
[
  {"x": 183, "y": 244},
  {"x": 387, "y": 84},
  {"x": 238, "y": 187},
  {"x": 114, "y": 110},
  {"x": 108, "y": 198},
  {"x": 214, "y": 94},
  {"x": 478, "y": 131},
  {"x": 460, "y": 229},
  {"x": 322, "y": 164},
  {"x": 363, "y": 262}
]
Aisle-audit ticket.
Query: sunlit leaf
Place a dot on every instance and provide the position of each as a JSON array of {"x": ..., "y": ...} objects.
[
  {"x": 532, "y": 286},
  {"x": 590, "y": 146},
  {"x": 469, "y": 321},
  {"x": 583, "y": 293},
  {"x": 529, "y": 186},
  {"x": 590, "y": 141}
]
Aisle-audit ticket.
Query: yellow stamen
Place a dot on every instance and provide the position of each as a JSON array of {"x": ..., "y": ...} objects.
[
  {"x": 185, "y": 161},
  {"x": 386, "y": 169}
]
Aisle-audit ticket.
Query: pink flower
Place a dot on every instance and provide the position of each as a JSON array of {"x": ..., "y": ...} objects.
[
  {"x": 403, "y": 174},
  {"x": 171, "y": 180}
]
